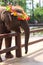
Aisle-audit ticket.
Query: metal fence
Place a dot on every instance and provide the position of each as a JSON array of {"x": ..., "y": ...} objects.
[{"x": 18, "y": 45}]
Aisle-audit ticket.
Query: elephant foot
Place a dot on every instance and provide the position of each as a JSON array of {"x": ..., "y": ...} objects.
[
  {"x": 9, "y": 55},
  {"x": 0, "y": 59}
]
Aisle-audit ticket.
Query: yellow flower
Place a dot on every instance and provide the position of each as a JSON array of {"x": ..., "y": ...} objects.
[
  {"x": 15, "y": 13},
  {"x": 7, "y": 8}
]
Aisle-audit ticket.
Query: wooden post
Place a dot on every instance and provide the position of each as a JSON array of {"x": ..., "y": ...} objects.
[{"x": 18, "y": 44}]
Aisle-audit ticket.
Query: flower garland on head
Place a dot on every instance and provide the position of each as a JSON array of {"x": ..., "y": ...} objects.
[
  {"x": 9, "y": 8},
  {"x": 20, "y": 16},
  {"x": 23, "y": 17}
]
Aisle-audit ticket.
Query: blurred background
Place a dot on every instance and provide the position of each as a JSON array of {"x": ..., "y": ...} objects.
[{"x": 34, "y": 8}]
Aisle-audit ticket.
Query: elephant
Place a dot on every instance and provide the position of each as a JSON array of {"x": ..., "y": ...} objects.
[
  {"x": 11, "y": 23},
  {"x": 4, "y": 30}
]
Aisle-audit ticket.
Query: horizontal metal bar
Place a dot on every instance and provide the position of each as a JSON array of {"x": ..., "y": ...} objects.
[
  {"x": 36, "y": 30},
  {"x": 33, "y": 42},
  {"x": 15, "y": 47},
  {"x": 7, "y": 35},
  {"x": 40, "y": 24},
  {"x": 14, "y": 34},
  {"x": 8, "y": 49}
]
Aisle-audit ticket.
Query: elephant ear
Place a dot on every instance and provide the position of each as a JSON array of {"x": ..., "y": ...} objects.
[
  {"x": 5, "y": 14},
  {"x": 6, "y": 18}
]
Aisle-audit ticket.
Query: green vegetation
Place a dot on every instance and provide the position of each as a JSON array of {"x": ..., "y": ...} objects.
[
  {"x": 23, "y": 4},
  {"x": 2, "y": 3},
  {"x": 20, "y": 2},
  {"x": 38, "y": 14}
]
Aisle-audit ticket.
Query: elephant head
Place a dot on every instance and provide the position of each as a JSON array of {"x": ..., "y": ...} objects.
[{"x": 12, "y": 24}]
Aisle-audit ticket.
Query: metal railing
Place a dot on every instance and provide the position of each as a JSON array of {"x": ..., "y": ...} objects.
[{"x": 18, "y": 42}]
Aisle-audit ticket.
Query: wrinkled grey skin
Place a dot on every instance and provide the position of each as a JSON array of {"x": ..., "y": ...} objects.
[{"x": 12, "y": 24}]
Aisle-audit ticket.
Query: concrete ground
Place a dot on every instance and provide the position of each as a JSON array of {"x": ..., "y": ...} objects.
[{"x": 33, "y": 57}]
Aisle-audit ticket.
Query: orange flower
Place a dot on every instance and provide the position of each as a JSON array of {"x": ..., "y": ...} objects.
[{"x": 20, "y": 16}]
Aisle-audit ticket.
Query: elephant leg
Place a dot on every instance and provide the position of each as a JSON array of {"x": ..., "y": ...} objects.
[
  {"x": 25, "y": 26},
  {"x": 0, "y": 48},
  {"x": 7, "y": 41},
  {"x": 8, "y": 44}
]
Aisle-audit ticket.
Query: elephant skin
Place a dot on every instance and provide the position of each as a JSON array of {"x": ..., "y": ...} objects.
[
  {"x": 12, "y": 24},
  {"x": 4, "y": 30}
]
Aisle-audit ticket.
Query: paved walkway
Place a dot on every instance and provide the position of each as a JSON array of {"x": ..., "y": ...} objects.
[{"x": 33, "y": 57}]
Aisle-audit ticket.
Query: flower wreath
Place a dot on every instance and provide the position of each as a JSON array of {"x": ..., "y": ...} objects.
[{"x": 15, "y": 13}]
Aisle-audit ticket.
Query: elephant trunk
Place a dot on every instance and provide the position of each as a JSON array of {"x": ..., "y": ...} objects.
[
  {"x": 24, "y": 25},
  {"x": 26, "y": 39}
]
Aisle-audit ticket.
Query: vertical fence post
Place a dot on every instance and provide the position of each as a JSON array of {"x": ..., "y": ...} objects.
[{"x": 18, "y": 44}]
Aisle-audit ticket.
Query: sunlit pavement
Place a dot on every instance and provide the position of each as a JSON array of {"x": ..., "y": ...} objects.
[{"x": 33, "y": 57}]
